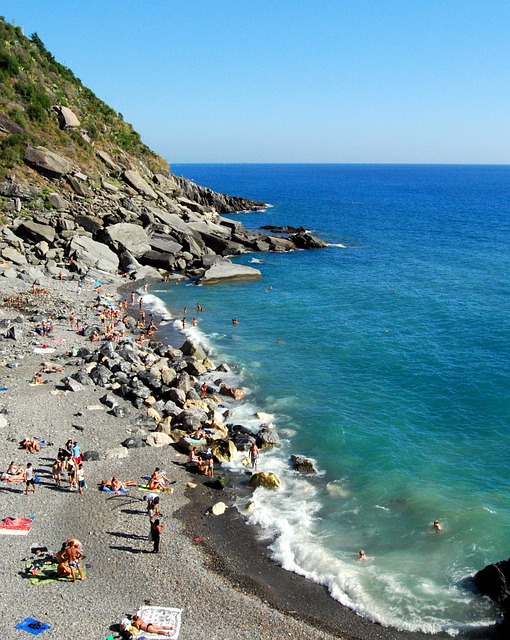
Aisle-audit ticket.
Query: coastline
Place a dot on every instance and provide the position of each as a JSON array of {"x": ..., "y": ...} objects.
[{"x": 225, "y": 583}]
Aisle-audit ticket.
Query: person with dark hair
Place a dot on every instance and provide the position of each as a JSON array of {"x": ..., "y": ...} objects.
[{"x": 156, "y": 529}]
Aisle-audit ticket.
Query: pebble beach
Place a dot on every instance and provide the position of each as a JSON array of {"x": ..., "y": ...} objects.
[{"x": 211, "y": 567}]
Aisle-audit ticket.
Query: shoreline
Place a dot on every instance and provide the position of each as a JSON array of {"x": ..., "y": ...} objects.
[
  {"x": 226, "y": 583},
  {"x": 248, "y": 564}
]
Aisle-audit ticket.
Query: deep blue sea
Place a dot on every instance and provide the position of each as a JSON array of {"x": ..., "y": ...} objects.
[{"x": 385, "y": 358}]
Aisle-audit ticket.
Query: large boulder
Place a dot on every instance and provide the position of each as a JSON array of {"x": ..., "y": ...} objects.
[
  {"x": 94, "y": 254},
  {"x": 307, "y": 241},
  {"x": 494, "y": 581},
  {"x": 125, "y": 236},
  {"x": 67, "y": 119},
  {"x": 225, "y": 271},
  {"x": 135, "y": 180},
  {"x": 232, "y": 392},
  {"x": 266, "y": 479},
  {"x": 35, "y": 232},
  {"x": 158, "y": 439},
  {"x": 47, "y": 162},
  {"x": 302, "y": 464}
]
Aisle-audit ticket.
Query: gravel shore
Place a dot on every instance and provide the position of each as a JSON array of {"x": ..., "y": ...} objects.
[{"x": 210, "y": 567}]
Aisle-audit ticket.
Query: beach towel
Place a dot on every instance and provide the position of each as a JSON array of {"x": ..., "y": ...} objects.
[
  {"x": 43, "y": 350},
  {"x": 160, "y": 615},
  {"x": 145, "y": 487},
  {"x": 33, "y": 626},
  {"x": 46, "y": 572},
  {"x": 119, "y": 492},
  {"x": 15, "y": 526}
]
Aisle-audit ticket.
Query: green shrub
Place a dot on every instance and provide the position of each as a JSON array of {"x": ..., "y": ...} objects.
[
  {"x": 8, "y": 64},
  {"x": 12, "y": 150}
]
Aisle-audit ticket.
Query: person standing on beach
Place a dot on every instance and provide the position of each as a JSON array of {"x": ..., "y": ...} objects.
[
  {"x": 156, "y": 529},
  {"x": 29, "y": 478},
  {"x": 80, "y": 478}
]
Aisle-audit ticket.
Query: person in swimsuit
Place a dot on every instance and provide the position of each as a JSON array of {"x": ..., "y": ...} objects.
[
  {"x": 139, "y": 624},
  {"x": 254, "y": 456},
  {"x": 157, "y": 481}
]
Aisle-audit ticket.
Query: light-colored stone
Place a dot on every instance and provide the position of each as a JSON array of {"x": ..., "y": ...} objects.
[
  {"x": 266, "y": 479},
  {"x": 125, "y": 236},
  {"x": 224, "y": 271},
  {"x": 94, "y": 254},
  {"x": 218, "y": 509},
  {"x": 135, "y": 180},
  {"x": 117, "y": 453},
  {"x": 158, "y": 439}
]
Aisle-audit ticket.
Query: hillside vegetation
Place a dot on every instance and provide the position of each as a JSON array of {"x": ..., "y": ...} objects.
[{"x": 32, "y": 82}]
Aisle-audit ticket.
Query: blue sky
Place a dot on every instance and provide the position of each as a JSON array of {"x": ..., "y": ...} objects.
[{"x": 407, "y": 81}]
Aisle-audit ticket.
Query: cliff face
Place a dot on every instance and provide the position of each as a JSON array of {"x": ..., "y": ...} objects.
[{"x": 78, "y": 186}]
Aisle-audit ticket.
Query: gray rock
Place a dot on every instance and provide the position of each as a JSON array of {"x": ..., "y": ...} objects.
[
  {"x": 89, "y": 223},
  {"x": 135, "y": 180},
  {"x": 107, "y": 159},
  {"x": 47, "y": 162},
  {"x": 268, "y": 438},
  {"x": 225, "y": 270},
  {"x": 35, "y": 232},
  {"x": 58, "y": 201},
  {"x": 109, "y": 400},
  {"x": 73, "y": 385},
  {"x": 133, "y": 443},
  {"x": 302, "y": 464},
  {"x": 120, "y": 411},
  {"x": 94, "y": 254},
  {"x": 15, "y": 190},
  {"x": 178, "y": 396},
  {"x": 78, "y": 187},
  {"x": 128, "y": 237},
  {"x": 191, "y": 348},
  {"x": 66, "y": 118},
  {"x": 13, "y": 255},
  {"x": 89, "y": 456},
  {"x": 100, "y": 375}
]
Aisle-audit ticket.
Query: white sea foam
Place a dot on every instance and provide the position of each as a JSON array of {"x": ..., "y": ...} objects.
[
  {"x": 155, "y": 305},
  {"x": 338, "y": 244}
]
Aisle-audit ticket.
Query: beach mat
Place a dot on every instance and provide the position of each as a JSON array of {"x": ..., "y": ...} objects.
[
  {"x": 145, "y": 487},
  {"x": 33, "y": 626},
  {"x": 167, "y": 616},
  {"x": 15, "y": 526},
  {"x": 48, "y": 572}
]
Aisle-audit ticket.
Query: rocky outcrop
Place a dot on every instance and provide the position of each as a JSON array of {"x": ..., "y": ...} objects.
[
  {"x": 67, "y": 119},
  {"x": 93, "y": 254},
  {"x": 135, "y": 180},
  {"x": 302, "y": 464},
  {"x": 125, "y": 236},
  {"x": 218, "y": 201},
  {"x": 47, "y": 162},
  {"x": 224, "y": 270},
  {"x": 494, "y": 581}
]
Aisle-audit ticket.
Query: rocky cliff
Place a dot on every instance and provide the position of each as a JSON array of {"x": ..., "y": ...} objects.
[{"x": 78, "y": 188}]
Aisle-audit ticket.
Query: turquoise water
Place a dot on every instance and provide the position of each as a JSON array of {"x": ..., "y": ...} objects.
[{"x": 383, "y": 357}]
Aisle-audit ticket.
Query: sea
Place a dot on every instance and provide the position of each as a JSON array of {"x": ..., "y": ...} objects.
[{"x": 384, "y": 358}]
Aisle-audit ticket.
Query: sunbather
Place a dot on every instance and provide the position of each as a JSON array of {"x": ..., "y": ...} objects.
[
  {"x": 139, "y": 624},
  {"x": 30, "y": 444},
  {"x": 117, "y": 485},
  {"x": 157, "y": 481}
]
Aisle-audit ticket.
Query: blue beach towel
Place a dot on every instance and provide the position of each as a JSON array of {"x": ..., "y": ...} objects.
[{"x": 33, "y": 626}]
